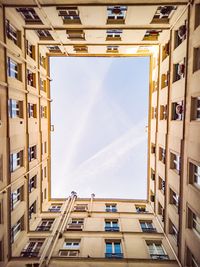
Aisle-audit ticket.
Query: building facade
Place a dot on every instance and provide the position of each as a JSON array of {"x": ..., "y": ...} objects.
[{"x": 164, "y": 229}]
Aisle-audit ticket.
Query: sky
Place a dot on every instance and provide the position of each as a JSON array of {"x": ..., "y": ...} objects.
[{"x": 100, "y": 114}]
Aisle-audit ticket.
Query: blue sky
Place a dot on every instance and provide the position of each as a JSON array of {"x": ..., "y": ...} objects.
[{"x": 100, "y": 113}]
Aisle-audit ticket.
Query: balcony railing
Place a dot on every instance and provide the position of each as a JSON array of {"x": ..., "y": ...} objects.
[
  {"x": 75, "y": 227},
  {"x": 112, "y": 228},
  {"x": 114, "y": 255},
  {"x": 29, "y": 254},
  {"x": 149, "y": 230},
  {"x": 80, "y": 208},
  {"x": 159, "y": 257},
  {"x": 111, "y": 210},
  {"x": 43, "y": 228}
]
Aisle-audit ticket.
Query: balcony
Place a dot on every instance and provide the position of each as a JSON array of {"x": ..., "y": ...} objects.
[
  {"x": 159, "y": 257},
  {"x": 75, "y": 227},
  {"x": 112, "y": 229},
  {"x": 114, "y": 255}
]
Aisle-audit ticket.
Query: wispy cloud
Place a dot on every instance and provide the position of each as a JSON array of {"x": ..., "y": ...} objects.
[{"x": 109, "y": 156}]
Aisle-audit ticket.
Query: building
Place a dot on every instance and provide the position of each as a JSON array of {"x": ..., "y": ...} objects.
[{"x": 164, "y": 229}]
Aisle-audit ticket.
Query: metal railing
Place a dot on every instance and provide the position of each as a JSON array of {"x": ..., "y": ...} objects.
[
  {"x": 112, "y": 228},
  {"x": 114, "y": 255}
]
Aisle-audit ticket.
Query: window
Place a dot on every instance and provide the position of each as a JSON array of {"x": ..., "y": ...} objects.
[
  {"x": 32, "y": 209},
  {"x": 195, "y": 108},
  {"x": 32, "y": 110},
  {"x": 175, "y": 162},
  {"x": 113, "y": 35},
  {"x": 32, "y": 249},
  {"x": 42, "y": 85},
  {"x": 43, "y": 111},
  {"x": 112, "y": 49},
  {"x": 76, "y": 224},
  {"x": 161, "y": 185},
  {"x": 42, "y": 60},
  {"x": 163, "y": 112},
  {"x": 177, "y": 111},
  {"x": 152, "y": 35},
  {"x": 190, "y": 260},
  {"x": 156, "y": 250},
  {"x": 164, "y": 80},
  {"x": 141, "y": 209},
  {"x": 45, "y": 172},
  {"x": 71, "y": 244},
  {"x": 1, "y": 251},
  {"x": 32, "y": 153},
  {"x": 54, "y": 48},
  {"x": 163, "y": 14},
  {"x": 174, "y": 198},
  {"x": 16, "y": 197},
  {"x": 193, "y": 221},
  {"x": 30, "y": 78},
  {"x": 44, "y": 35},
  {"x": 55, "y": 207},
  {"x": 196, "y": 58},
  {"x": 1, "y": 168},
  {"x": 32, "y": 183},
  {"x": 153, "y": 148},
  {"x": 161, "y": 212},
  {"x": 68, "y": 253},
  {"x": 180, "y": 35},
  {"x": 153, "y": 175},
  {"x": 165, "y": 51},
  {"x": 179, "y": 71},
  {"x": 16, "y": 229},
  {"x": 194, "y": 174},
  {"x": 1, "y": 211},
  {"x": 147, "y": 227},
  {"x": 113, "y": 249},
  {"x": 45, "y": 225},
  {"x": 14, "y": 69},
  {"x": 15, "y": 108},
  {"x": 81, "y": 207},
  {"x": 30, "y": 50},
  {"x": 29, "y": 15},
  {"x": 16, "y": 160},
  {"x": 44, "y": 148},
  {"x": 111, "y": 207},
  {"x": 197, "y": 15},
  {"x": 76, "y": 34},
  {"x": 69, "y": 15},
  {"x": 80, "y": 48},
  {"x": 155, "y": 86},
  {"x": 152, "y": 196},
  {"x": 116, "y": 14},
  {"x": 154, "y": 113},
  {"x": 173, "y": 231},
  {"x": 12, "y": 33},
  {"x": 162, "y": 154},
  {"x": 45, "y": 193},
  {"x": 111, "y": 226}
]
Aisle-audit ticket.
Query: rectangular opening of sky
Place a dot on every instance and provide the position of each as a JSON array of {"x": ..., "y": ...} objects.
[{"x": 100, "y": 117}]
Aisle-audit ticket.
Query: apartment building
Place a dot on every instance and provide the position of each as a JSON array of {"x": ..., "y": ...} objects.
[{"x": 164, "y": 229}]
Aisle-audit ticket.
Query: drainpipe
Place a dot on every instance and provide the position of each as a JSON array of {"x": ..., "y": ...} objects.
[
  {"x": 44, "y": 259},
  {"x": 91, "y": 204}
]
